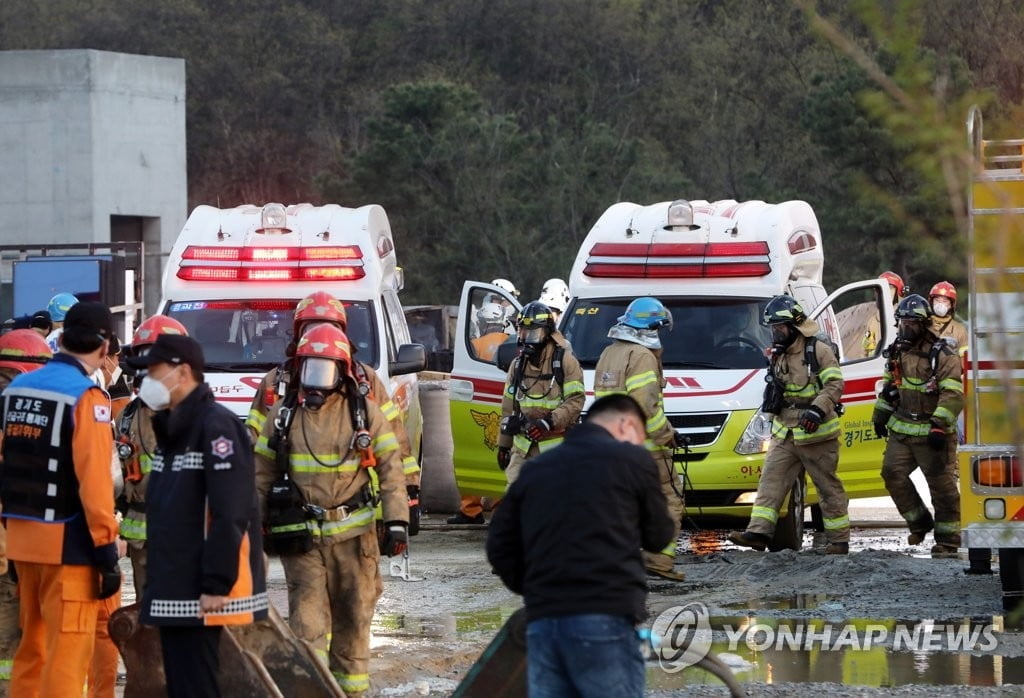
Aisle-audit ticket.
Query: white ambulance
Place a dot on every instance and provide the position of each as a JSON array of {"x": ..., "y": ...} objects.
[
  {"x": 716, "y": 279},
  {"x": 235, "y": 275}
]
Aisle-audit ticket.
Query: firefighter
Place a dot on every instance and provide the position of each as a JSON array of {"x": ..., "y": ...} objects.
[
  {"x": 917, "y": 410},
  {"x": 555, "y": 295},
  {"x": 631, "y": 365},
  {"x": 57, "y": 438},
  {"x": 803, "y": 397},
  {"x": 136, "y": 444},
  {"x": 944, "y": 324},
  {"x": 21, "y": 351},
  {"x": 491, "y": 321},
  {"x": 322, "y": 307},
  {"x": 323, "y": 438},
  {"x": 543, "y": 394}
]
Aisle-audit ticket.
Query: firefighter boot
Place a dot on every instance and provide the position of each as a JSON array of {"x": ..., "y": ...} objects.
[
  {"x": 917, "y": 537},
  {"x": 748, "y": 539},
  {"x": 945, "y": 550},
  {"x": 837, "y": 549}
]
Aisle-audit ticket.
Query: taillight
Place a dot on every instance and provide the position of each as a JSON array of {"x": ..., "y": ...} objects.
[
  {"x": 326, "y": 263},
  {"x": 688, "y": 260},
  {"x": 997, "y": 471}
]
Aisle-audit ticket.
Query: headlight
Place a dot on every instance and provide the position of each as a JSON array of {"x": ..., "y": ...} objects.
[{"x": 756, "y": 436}]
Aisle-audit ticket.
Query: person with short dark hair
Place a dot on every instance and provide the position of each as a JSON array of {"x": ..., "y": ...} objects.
[
  {"x": 203, "y": 528},
  {"x": 568, "y": 537}
]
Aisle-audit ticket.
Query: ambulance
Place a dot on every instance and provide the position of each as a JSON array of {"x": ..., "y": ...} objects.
[
  {"x": 716, "y": 279},
  {"x": 991, "y": 479},
  {"x": 234, "y": 277}
]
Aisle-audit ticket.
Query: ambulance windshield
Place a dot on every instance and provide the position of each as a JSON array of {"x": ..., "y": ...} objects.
[
  {"x": 251, "y": 335},
  {"x": 713, "y": 333}
]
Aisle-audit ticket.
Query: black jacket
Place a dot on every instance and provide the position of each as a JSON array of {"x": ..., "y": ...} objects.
[
  {"x": 203, "y": 526},
  {"x": 568, "y": 533}
]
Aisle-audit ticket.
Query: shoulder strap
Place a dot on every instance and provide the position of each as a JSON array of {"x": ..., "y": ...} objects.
[
  {"x": 556, "y": 365},
  {"x": 810, "y": 355},
  {"x": 124, "y": 423}
]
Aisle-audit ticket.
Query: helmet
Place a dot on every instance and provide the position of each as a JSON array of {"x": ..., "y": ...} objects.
[
  {"x": 153, "y": 327},
  {"x": 555, "y": 295},
  {"x": 536, "y": 322},
  {"x": 506, "y": 285},
  {"x": 59, "y": 305},
  {"x": 321, "y": 307},
  {"x": 320, "y": 350},
  {"x": 943, "y": 288},
  {"x": 783, "y": 308},
  {"x": 646, "y": 314},
  {"x": 896, "y": 281},
  {"x": 491, "y": 313},
  {"x": 23, "y": 351},
  {"x": 913, "y": 307}
]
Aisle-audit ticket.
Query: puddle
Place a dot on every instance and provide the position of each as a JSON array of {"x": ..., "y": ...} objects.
[
  {"x": 800, "y": 601},
  {"x": 455, "y": 626},
  {"x": 862, "y": 652}
]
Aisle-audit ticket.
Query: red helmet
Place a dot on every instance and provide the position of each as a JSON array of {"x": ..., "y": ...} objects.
[
  {"x": 23, "y": 351},
  {"x": 943, "y": 288},
  {"x": 153, "y": 327},
  {"x": 319, "y": 351},
  {"x": 896, "y": 281},
  {"x": 320, "y": 307}
]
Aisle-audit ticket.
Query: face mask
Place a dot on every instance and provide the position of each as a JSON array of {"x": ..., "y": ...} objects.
[
  {"x": 941, "y": 308},
  {"x": 115, "y": 374},
  {"x": 154, "y": 394},
  {"x": 782, "y": 335},
  {"x": 908, "y": 332}
]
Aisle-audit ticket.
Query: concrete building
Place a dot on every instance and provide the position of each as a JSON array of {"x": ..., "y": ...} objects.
[{"x": 92, "y": 149}]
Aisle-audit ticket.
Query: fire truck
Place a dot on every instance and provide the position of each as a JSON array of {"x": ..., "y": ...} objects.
[
  {"x": 991, "y": 480},
  {"x": 234, "y": 277},
  {"x": 716, "y": 279}
]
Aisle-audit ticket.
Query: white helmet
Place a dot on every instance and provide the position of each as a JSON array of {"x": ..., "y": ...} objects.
[
  {"x": 491, "y": 314},
  {"x": 555, "y": 295},
  {"x": 506, "y": 285}
]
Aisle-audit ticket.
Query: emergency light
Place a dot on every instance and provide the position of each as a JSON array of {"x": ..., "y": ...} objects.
[
  {"x": 335, "y": 263},
  {"x": 678, "y": 260},
  {"x": 998, "y": 471}
]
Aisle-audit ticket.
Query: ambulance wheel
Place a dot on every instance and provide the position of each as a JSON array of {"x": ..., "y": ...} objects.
[
  {"x": 789, "y": 532},
  {"x": 817, "y": 518},
  {"x": 1011, "y": 577}
]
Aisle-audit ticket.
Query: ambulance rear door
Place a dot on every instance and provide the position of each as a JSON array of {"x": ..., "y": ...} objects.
[
  {"x": 859, "y": 318},
  {"x": 486, "y": 317}
]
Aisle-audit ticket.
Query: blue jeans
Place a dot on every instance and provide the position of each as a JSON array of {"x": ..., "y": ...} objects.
[{"x": 584, "y": 655}]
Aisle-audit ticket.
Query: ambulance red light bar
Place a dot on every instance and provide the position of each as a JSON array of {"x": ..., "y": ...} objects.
[
  {"x": 271, "y": 274},
  {"x": 335, "y": 263},
  {"x": 678, "y": 260}
]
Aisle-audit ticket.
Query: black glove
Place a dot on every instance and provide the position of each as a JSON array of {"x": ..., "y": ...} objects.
[
  {"x": 396, "y": 538},
  {"x": 12, "y": 571},
  {"x": 110, "y": 580},
  {"x": 890, "y": 393},
  {"x": 680, "y": 440},
  {"x": 537, "y": 429},
  {"x": 881, "y": 431},
  {"x": 937, "y": 437},
  {"x": 414, "y": 508},
  {"x": 504, "y": 456},
  {"x": 810, "y": 420}
]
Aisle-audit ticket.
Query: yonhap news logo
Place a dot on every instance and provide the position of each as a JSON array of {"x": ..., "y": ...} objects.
[{"x": 682, "y": 635}]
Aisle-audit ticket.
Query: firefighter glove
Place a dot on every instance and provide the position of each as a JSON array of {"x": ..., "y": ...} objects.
[
  {"x": 881, "y": 431},
  {"x": 680, "y": 440},
  {"x": 890, "y": 393},
  {"x": 504, "y": 456},
  {"x": 396, "y": 538},
  {"x": 937, "y": 437},
  {"x": 537, "y": 429},
  {"x": 810, "y": 420},
  {"x": 110, "y": 580},
  {"x": 414, "y": 508}
]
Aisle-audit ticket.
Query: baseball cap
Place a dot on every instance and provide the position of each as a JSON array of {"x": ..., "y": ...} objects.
[
  {"x": 174, "y": 349},
  {"x": 90, "y": 317}
]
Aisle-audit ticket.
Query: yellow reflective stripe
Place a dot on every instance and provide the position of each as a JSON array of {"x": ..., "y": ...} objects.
[
  {"x": 544, "y": 403},
  {"x": 262, "y": 447},
  {"x": 385, "y": 443},
  {"x": 603, "y": 393},
  {"x": 764, "y": 513},
  {"x": 133, "y": 529},
  {"x": 6, "y": 665},
  {"x": 640, "y": 380},
  {"x": 352, "y": 683},
  {"x": 657, "y": 421},
  {"x": 794, "y": 390},
  {"x": 524, "y": 444},
  {"x": 837, "y": 523},
  {"x": 947, "y": 527},
  {"x": 410, "y": 466},
  {"x": 331, "y": 459},
  {"x": 884, "y": 406},
  {"x": 390, "y": 410},
  {"x": 573, "y": 387},
  {"x": 146, "y": 463},
  {"x": 909, "y": 428},
  {"x": 357, "y": 519},
  {"x": 830, "y": 373},
  {"x": 829, "y": 428},
  {"x": 669, "y": 549},
  {"x": 548, "y": 444},
  {"x": 944, "y": 414},
  {"x": 288, "y": 528},
  {"x": 349, "y": 466},
  {"x": 921, "y": 387},
  {"x": 256, "y": 419},
  {"x": 951, "y": 384},
  {"x": 913, "y": 515}
]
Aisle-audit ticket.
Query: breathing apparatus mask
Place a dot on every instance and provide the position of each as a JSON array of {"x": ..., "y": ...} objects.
[
  {"x": 783, "y": 335},
  {"x": 908, "y": 333},
  {"x": 318, "y": 377}
]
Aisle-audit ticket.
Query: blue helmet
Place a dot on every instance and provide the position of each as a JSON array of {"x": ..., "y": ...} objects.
[
  {"x": 647, "y": 314},
  {"x": 59, "y": 306}
]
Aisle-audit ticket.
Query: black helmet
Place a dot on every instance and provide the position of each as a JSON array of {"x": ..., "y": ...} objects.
[
  {"x": 783, "y": 309},
  {"x": 913, "y": 307},
  {"x": 535, "y": 314}
]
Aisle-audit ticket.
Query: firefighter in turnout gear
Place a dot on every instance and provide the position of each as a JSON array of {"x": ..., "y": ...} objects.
[
  {"x": 631, "y": 365},
  {"x": 322, "y": 307},
  {"x": 324, "y": 458},
  {"x": 543, "y": 394},
  {"x": 944, "y": 324},
  {"x": 917, "y": 410},
  {"x": 21, "y": 351},
  {"x": 804, "y": 388},
  {"x": 136, "y": 444}
]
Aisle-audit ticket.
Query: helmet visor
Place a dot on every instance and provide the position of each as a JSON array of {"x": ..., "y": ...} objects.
[
  {"x": 532, "y": 335},
  {"x": 319, "y": 374}
]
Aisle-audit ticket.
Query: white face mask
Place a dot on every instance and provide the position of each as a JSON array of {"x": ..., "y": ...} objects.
[
  {"x": 154, "y": 394},
  {"x": 115, "y": 374},
  {"x": 941, "y": 308}
]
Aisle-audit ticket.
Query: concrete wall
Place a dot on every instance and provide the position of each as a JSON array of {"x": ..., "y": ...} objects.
[{"x": 85, "y": 135}]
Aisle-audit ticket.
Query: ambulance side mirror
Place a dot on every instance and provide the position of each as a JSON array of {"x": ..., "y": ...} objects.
[
  {"x": 412, "y": 358},
  {"x": 506, "y": 353}
]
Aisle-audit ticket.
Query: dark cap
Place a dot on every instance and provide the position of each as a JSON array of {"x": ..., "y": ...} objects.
[
  {"x": 174, "y": 349},
  {"x": 41, "y": 320},
  {"x": 90, "y": 317}
]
